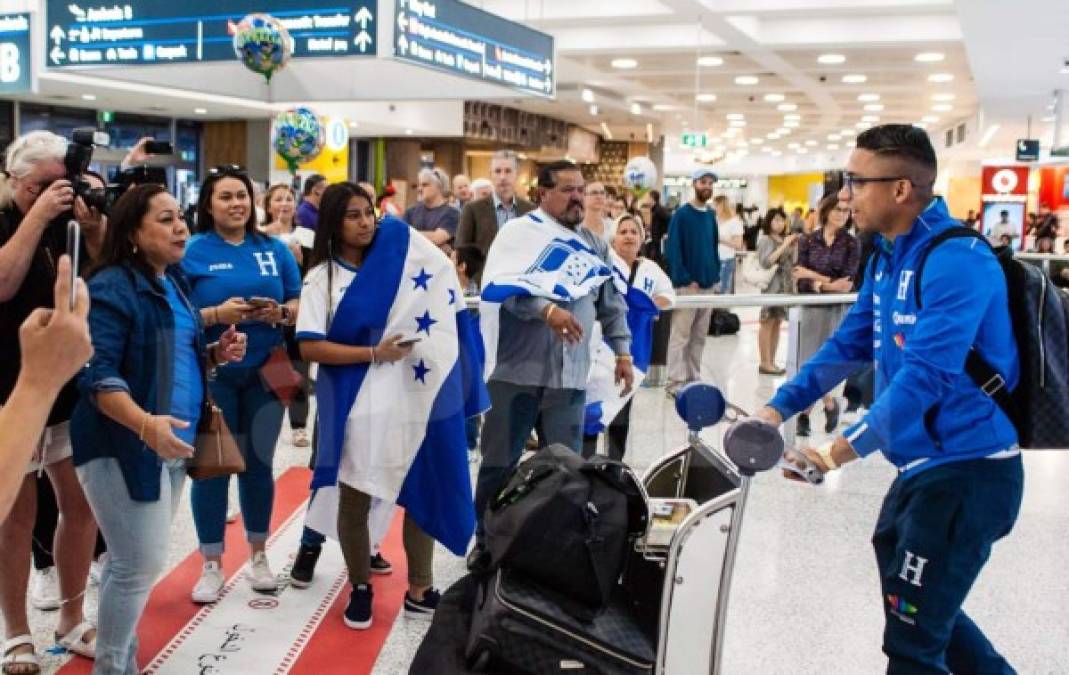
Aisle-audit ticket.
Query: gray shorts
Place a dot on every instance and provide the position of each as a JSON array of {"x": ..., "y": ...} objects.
[{"x": 54, "y": 446}]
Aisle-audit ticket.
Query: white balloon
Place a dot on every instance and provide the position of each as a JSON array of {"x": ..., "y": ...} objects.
[{"x": 640, "y": 174}]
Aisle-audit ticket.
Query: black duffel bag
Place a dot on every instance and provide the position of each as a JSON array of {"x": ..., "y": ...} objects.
[
  {"x": 566, "y": 523},
  {"x": 724, "y": 322}
]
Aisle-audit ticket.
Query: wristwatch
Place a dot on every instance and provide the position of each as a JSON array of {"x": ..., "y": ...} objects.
[{"x": 825, "y": 453}]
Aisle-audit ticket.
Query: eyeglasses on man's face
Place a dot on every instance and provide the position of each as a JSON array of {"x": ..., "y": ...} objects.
[{"x": 852, "y": 181}]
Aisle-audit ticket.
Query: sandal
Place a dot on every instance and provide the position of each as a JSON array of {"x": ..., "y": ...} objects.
[
  {"x": 74, "y": 641},
  {"x": 20, "y": 664}
]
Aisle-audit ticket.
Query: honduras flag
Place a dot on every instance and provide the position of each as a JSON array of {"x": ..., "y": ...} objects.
[
  {"x": 396, "y": 431},
  {"x": 603, "y": 397},
  {"x": 535, "y": 256}
]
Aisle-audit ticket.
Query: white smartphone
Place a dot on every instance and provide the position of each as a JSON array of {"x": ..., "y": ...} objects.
[{"x": 74, "y": 247}]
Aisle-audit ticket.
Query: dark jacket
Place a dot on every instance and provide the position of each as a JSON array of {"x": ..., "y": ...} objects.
[
  {"x": 478, "y": 222},
  {"x": 132, "y": 326}
]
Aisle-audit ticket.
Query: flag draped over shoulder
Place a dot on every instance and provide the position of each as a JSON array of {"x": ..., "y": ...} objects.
[
  {"x": 533, "y": 256},
  {"x": 396, "y": 431}
]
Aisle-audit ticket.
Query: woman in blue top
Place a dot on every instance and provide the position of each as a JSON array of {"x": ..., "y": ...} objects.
[
  {"x": 239, "y": 275},
  {"x": 141, "y": 399}
]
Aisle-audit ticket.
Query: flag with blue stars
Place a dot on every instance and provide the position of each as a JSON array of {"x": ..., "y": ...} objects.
[{"x": 395, "y": 431}]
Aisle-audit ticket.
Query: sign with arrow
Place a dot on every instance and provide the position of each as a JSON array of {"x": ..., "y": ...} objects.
[
  {"x": 138, "y": 32},
  {"x": 1027, "y": 150},
  {"x": 16, "y": 65},
  {"x": 454, "y": 37}
]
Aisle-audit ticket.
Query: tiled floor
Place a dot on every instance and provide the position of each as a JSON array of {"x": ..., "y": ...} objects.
[{"x": 805, "y": 596}]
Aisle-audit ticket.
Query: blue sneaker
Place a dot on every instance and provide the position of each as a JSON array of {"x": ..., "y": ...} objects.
[
  {"x": 358, "y": 613},
  {"x": 424, "y": 609}
]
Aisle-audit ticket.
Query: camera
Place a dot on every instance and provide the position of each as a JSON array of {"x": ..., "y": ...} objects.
[{"x": 79, "y": 155}]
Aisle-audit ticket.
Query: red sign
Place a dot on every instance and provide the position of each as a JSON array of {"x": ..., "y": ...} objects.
[{"x": 1005, "y": 183}]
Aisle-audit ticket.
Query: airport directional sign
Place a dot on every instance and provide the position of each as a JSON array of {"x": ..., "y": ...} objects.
[
  {"x": 16, "y": 71},
  {"x": 139, "y": 32},
  {"x": 457, "y": 38}
]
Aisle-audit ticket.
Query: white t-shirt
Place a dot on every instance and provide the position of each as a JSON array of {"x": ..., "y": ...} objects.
[
  {"x": 312, "y": 318},
  {"x": 732, "y": 227},
  {"x": 650, "y": 278}
]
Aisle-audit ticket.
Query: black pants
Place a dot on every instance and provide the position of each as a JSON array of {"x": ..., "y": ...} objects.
[
  {"x": 44, "y": 527},
  {"x": 617, "y": 433},
  {"x": 933, "y": 536}
]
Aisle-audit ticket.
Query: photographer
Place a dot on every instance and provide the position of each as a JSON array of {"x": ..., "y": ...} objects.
[{"x": 36, "y": 200}]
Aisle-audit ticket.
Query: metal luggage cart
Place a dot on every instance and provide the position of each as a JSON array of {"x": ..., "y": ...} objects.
[{"x": 690, "y": 577}]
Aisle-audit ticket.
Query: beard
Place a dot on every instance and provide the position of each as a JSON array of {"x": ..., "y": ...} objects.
[
  {"x": 703, "y": 194},
  {"x": 572, "y": 216}
]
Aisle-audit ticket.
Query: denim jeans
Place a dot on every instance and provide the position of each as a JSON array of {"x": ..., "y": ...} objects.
[
  {"x": 254, "y": 416},
  {"x": 138, "y": 536},
  {"x": 727, "y": 275}
]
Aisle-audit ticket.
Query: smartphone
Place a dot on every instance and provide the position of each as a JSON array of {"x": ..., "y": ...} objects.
[
  {"x": 408, "y": 341},
  {"x": 159, "y": 148},
  {"x": 74, "y": 247},
  {"x": 260, "y": 303}
]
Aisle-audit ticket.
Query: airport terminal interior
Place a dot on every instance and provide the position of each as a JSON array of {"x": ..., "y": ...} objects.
[{"x": 646, "y": 217}]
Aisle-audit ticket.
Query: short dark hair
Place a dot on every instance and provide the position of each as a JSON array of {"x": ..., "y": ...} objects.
[
  {"x": 124, "y": 218},
  {"x": 656, "y": 196},
  {"x": 331, "y": 220},
  {"x": 205, "y": 221},
  {"x": 311, "y": 182},
  {"x": 1004, "y": 212},
  {"x": 472, "y": 258},
  {"x": 766, "y": 224},
  {"x": 900, "y": 141},
  {"x": 547, "y": 175}
]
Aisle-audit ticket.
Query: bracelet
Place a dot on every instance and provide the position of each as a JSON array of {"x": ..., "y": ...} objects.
[
  {"x": 625, "y": 357},
  {"x": 215, "y": 315},
  {"x": 549, "y": 312},
  {"x": 141, "y": 433}
]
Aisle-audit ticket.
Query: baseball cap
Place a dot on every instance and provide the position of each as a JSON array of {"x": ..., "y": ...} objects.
[{"x": 698, "y": 174}]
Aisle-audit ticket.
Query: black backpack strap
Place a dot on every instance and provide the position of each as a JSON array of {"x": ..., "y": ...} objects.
[{"x": 989, "y": 380}]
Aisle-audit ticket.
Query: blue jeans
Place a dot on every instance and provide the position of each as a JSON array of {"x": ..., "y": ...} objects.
[
  {"x": 727, "y": 275},
  {"x": 138, "y": 535},
  {"x": 933, "y": 536},
  {"x": 254, "y": 416}
]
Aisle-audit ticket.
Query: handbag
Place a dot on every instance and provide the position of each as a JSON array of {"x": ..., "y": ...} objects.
[
  {"x": 755, "y": 274},
  {"x": 215, "y": 452},
  {"x": 279, "y": 376}
]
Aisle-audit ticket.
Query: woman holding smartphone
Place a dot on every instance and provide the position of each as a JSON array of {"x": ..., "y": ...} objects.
[{"x": 240, "y": 276}]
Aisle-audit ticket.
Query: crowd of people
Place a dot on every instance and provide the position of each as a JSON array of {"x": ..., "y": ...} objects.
[{"x": 175, "y": 321}]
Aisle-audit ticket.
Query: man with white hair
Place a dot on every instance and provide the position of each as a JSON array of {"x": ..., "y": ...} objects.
[
  {"x": 432, "y": 215},
  {"x": 461, "y": 191},
  {"x": 481, "y": 188}
]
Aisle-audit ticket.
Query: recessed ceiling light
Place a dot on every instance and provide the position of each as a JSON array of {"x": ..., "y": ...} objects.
[
  {"x": 794, "y": 146},
  {"x": 942, "y": 107},
  {"x": 606, "y": 130},
  {"x": 705, "y": 98},
  {"x": 710, "y": 61},
  {"x": 747, "y": 80},
  {"x": 776, "y": 153},
  {"x": 636, "y": 109},
  {"x": 737, "y": 123},
  {"x": 833, "y": 146},
  {"x": 587, "y": 96},
  {"x": 787, "y": 107},
  {"x": 593, "y": 109},
  {"x": 756, "y": 141},
  {"x": 784, "y": 131},
  {"x": 735, "y": 116},
  {"x": 874, "y": 107},
  {"x": 930, "y": 119},
  {"x": 854, "y": 79},
  {"x": 850, "y": 144},
  {"x": 624, "y": 64},
  {"x": 834, "y": 137},
  {"x": 868, "y": 98},
  {"x": 942, "y": 97},
  {"x": 792, "y": 116},
  {"x": 929, "y": 57},
  {"x": 791, "y": 124},
  {"x": 870, "y": 118},
  {"x": 740, "y": 144},
  {"x": 772, "y": 136},
  {"x": 801, "y": 151},
  {"x": 200, "y": 111},
  {"x": 940, "y": 77},
  {"x": 774, "y": 98},
  {"x": 831, "y": 59},
  {"x": 847, "y": 132},
  {"x": 920, "y": 125},
  {"x": 89, "y": 97},
  {"x": 862, "y": 125},
  {"x": 663, "y": 107},
  {"x": 811, "y": 143},
  {"x": 408, "y": 132}
]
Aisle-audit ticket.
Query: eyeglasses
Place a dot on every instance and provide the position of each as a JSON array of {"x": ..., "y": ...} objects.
[
  {"x": 595, "y": 193},
  {"x": 852, "y": 180},
  {"x": 227, "y": 170}
]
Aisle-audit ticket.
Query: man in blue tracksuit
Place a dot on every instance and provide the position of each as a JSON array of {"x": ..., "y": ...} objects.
[{"x": 960, "y": 476}]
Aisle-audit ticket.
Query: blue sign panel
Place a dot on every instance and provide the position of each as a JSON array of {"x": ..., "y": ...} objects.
[
  {"x": 139, "y": 32},
  {"x": 460, "y": 39},
  {"x": 16, "y": 69}
]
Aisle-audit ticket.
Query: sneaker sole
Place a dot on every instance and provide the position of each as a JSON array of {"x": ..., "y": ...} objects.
[
  {"x": 383, "y": 571},
  {"x": 204, "y": 599},
  {"x": 419, "y": 614},
  {"x": 45, "y": 606},
  {"x": 297, "y": 583},
  {"x": 263, "y": 587},
  {"x": 357, "y": 625}
]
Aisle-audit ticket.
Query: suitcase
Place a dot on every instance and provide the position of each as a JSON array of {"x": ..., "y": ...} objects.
[{"x": 519, "y": 628}]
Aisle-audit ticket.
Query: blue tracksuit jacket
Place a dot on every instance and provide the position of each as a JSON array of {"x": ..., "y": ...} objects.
[{"x": 927, "y": 410}]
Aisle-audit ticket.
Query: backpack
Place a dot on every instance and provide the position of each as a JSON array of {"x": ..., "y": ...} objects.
[
  {"x": 566, "y": 524},
  {"x": 724, "y": 322},
  {"x": 1040, "y": 316}
]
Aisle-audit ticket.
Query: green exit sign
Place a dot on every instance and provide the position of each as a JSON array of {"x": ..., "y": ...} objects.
[
  {"x": 695, "y": 140},
  {"x": 105, "y": 116}
]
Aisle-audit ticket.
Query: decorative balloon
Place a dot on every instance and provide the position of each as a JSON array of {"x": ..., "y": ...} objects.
[
  {"x": 262, "y": 43},
  {"x": 640, "y": 175},
  {"x": 298, "y": 136}
]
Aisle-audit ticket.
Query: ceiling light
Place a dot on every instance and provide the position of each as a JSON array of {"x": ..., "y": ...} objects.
[
  {"x": 862, "y": 125},
  {"x": 850, "y": 144},
  {"x": 846, "y": 132},
  {"x": 930, "y": 119},
  {"x": 811, "y": 143},
  {"x": 587, "y": 96},
  {"x": 791, "y": 124},
  {"x": 200, "y": 111},
  {"x": 870, "y": 118},
  {"x": 942, "y": 107},
  {"x": 831, "y": 59},
  {"x": 740, "y": 144},
  {"x": 408, "y": 132},
  {"x": 929, "y": 57},
  {"x": 833, "y": 146},
  {"x": 773, "y": 135},
  {"x": 787, "y": 107},
  {"x": 593, "y": 110},
  {"x": 868, "y": 98},
  {"x": 606, "y": 130},
  {"x": 774, "y": 98},
  {"x": 794, "y": 146},
  {"x": 663, "y": 107},
  {"x": 834, "y": 137},
  {"x": 801, "y": 151},
  {"x": 89, "y": 97},
  {"x": 737, "y": 123},
  {"x": 784, "y": 131},
  {"x": 352, "y": 123},
  {"x": 942, "y": 97},
  {"x": 747, "y": 80},
  {"x": 776, "y": 153},
  {"x": 757, "y": 141},
  {"x": 854, "y": 79},
  {"x": 636, "y": 109},
  {"x": 624, "y": 64},
  {"x": 710, "y": 61},
  {"x": 735, "y": 116},
  {"x": 940, "y": 77},
  {"x": 874, "y": 107},
  {"x": 705, "y": 98},
  {"x": 1048, "y": 120},
  {"x": 792, "y": 116},
  {"x": 920, "y": 125}
]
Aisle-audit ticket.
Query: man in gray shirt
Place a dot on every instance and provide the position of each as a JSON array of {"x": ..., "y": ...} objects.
[{"x": 543, "y": 352}]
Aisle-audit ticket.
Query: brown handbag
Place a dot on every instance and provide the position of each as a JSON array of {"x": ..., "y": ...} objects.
[{"x": 215, "y": 452}]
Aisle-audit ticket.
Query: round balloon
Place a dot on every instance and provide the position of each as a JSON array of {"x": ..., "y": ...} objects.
[
  {"x": 262, "y": 43},
  {"x": 640, "y": 175},
  {"x": 298, "y": 136}
]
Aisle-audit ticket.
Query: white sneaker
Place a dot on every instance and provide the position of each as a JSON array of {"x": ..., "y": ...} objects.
[
  {"x": 209, "y": 585},
  {"x": 44, "y": 592},
  {"x": 96, "y": 569},
  {"x": 261, "y": 578}
]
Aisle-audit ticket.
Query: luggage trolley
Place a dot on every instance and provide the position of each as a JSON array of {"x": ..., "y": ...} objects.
[{"x": 688, "y": 569}]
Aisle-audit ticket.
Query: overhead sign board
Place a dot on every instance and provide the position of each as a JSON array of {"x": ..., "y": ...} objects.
[
  {"x": 139, "y": 32},
  {"x": 1027, "y": 150},
  {"x": 694, "y": 140},
  {"x": 460, "y": 39},
  {"x": 16, "y": 71}
]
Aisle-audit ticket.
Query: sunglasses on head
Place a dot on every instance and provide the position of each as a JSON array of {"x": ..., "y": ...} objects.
[{"x": 228, "y": 170}]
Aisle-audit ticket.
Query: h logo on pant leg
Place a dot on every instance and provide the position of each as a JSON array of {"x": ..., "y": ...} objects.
[{"x": 912, "y": 566}]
